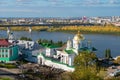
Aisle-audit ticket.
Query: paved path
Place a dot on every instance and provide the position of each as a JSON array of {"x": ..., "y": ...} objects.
[{"x": 9, "y": 71}]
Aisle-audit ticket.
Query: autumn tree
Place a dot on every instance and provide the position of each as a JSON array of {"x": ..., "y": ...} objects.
[
  {"x": 117, "y": 60},
  {"x": 85, "y": 67},
  {"x": 108, "y": 54}
]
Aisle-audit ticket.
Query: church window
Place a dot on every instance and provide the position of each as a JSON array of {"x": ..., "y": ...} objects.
[
  {"x": 2, "y": 55},
  {"x": 6, "y": 55},
  {"x": 6, "y": 50},
  {"x": 2, "y": 50},
  {"x": 10, "y": 52}
]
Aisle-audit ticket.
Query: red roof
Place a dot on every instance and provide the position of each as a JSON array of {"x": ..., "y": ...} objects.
[{"x": 4, "y": 42}]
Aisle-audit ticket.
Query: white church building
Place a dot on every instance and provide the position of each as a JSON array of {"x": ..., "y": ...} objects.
[{"x": 63, "y": 57}]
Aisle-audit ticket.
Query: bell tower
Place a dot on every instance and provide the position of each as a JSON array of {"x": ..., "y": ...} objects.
[
  {"x": 69, "y": 44},
  {"x": 77, "y": 41}
]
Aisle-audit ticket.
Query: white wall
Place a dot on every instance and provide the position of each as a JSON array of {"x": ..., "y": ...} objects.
[
  {"x": 53, "y": 64},
  {"x": 27, "y": 44},
  {"x": 59, "y": 66}
]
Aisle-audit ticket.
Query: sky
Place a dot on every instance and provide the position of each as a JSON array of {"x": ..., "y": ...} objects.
[{"x": 59, "y": 8}]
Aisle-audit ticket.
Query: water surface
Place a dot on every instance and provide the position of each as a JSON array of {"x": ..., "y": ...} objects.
[{"x": 100, "y": 41}]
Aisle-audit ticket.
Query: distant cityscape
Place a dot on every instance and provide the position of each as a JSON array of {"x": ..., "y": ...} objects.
[{"x": 115, "y": 20}]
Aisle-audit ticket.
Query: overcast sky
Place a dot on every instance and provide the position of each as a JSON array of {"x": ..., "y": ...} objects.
[{"x": 59, "y": 8}]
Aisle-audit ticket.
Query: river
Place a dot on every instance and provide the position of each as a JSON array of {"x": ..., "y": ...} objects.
[{"x": 100, "y": 41}]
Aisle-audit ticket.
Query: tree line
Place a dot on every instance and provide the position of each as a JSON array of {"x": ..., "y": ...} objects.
[
  {"x": 88, "y": 29},
  {"x": 58, "y": 43}
]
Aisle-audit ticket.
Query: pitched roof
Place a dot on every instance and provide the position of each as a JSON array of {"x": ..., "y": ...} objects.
[
  {"x": 69, "y": 51},
  {"x": 4, "y": 42},
  {"x": 47, "y": 45}
]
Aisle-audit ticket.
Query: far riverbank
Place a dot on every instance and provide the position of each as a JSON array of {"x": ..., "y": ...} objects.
[
  {"x": 108, "y": 29},
  {"x": 112, "y": 30}
]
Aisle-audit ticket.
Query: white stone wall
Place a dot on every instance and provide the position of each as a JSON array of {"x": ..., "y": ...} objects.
[
  {"x": 72, "y": 58},
  {"x": 59, "y": 66},
  {"x": 54, "y": 64},
  {"x": 26, "y": 44},
  {"x": 49, "y": 52}
]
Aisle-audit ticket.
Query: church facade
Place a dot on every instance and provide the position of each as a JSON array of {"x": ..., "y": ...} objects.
[{"x": 63, "y": 57}]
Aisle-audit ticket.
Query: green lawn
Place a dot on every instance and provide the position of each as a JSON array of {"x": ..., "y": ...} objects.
[
  {"x": 7, "y": 65},
  {"x": 3, "y": 78}
]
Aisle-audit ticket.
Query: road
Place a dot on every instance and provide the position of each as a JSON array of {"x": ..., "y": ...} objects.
[
  {"x": 32, "y": 25},
  {"x": 5, "y": 71},
  {"x": 7, "y": 74}
]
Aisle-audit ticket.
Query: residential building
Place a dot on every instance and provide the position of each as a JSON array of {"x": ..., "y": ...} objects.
[{"x": 8, "y": 51}]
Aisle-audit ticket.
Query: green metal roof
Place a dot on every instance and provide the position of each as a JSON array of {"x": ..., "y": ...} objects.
[
  {"x": 48, "y": 58},
  {"x": 69, "y": 51},
  {"x": 47, "y": 45},
  {"x": 84, "y": 49},
  {"x": 87, "y": 49}
]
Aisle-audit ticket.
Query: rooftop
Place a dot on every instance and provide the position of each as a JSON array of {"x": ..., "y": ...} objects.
[
  {"x": 4, "y": 42},
  {"x": 49, "y": 45},
  {"x": 55, "y": 60},
  {"x": 87, "y": 49},
  {"x": 69, "y": 51}
]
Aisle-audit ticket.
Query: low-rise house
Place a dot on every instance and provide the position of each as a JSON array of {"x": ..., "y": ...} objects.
[
  {"x": 26, "y": 48},
  {"x": 8, "y": 51}
]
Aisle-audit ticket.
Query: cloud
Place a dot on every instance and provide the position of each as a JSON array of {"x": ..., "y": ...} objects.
[
  {"x": 97, "y": 3},
  {"x": 20, "y": 10},
  {"x": 83, "y": 2},
  {"x": 3, "y": 3},
  {"x": 25, "y": 1},
  {"x": 114, "y": 2},
  {"x": 61, "y": 3},
  {"x": 22, "y": 0}
]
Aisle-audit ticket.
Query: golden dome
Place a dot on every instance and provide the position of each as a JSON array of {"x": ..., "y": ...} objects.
[{"x": 78, "y": 36}]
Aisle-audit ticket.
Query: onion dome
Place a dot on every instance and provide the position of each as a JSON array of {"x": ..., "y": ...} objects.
[{"x": 78, "y": 36}]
